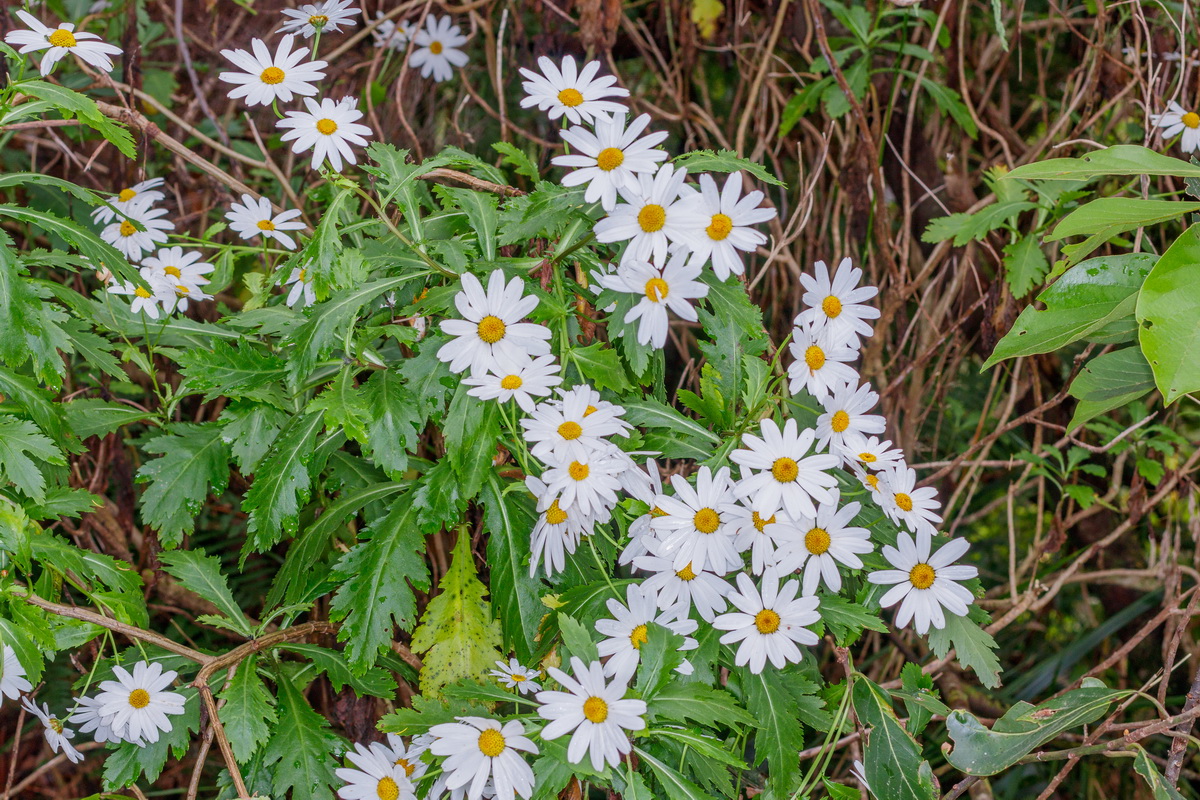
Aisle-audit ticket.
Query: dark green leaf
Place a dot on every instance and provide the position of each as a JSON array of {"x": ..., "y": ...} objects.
[
  {"x": 894, "y": 766},
  {"x": 509, "y": 518},
  {"x": 300, "y": 749},
  {"x": 724, "y": 161},
  {"x": 281, "y": 484},
  {"x": 193, "y": 458},
  {"x": 1168, "y": 315},
  {"x": 1110, "y": 381},
  {"x": 247, "y": 714},
  {"x": 201, "y": 574}
]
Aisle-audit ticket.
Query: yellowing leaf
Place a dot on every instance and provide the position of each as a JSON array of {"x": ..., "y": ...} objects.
[{"x": 705, "y": 14}]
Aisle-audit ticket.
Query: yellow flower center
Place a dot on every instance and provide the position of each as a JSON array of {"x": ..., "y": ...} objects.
[
  {"x": 706, "y": 520},
  {"x": 436, "y": 48},
  {"x": 126, "y": 195},
  {"x": 759, "y": 522},
  {"x": 272, "y": 76},
  {"x": 687, "y": 573},
  {"x": 491, "y": 742},
  {"x": 652, "y": 217},
  {"x": 587, "y": 412},
  {"x": 1191, "y": 119},
  {"x": 831, "y": 306},
  {"x": 127, "y": 228},
  {"x": 55, "y": 724},
  {"x": 814, "y": 357},
  {"x": 578, "y": 471},
  {"x": 64, "y": 38},
  {"x": 387, "y": 789},
  {"x": 840, "y": 421},
  {"x": 921, "y": 576},
  {"x": 904, "y": 501},
  {"x": 555, "y": 515},
  {"x": 595, "y": 709},
  {"x": 656, "y": 290},
  {"x": 515, "y": 678},
  {"x": 872, "y": 481},
  {"x": 767, "y": 621},
  {"x": 638, "y": 637},
  {"x": 302, "y": 276},
  {"x": 657, "y": 512},
  {"x": 491, "y": 329},
  {"x": 719, "y": 228},
  {"x": 409, "y": 769},
  {"x": 172, "y": 271},
  {"x": 867, "y": 458},
  {"x": 317, "y": 20},
  {"x": 570, "y": 97},
  {"x": 141, "y": 291},
  {"x": 610, "y": 158},
  {"x": 570, "y": 430},
  {"x": 139, "y": 698},
  {"x": 785, "y": 470},
  {"x": 817, "y": 541},
  {"x": 326, "y": 126},
  {"x": 511, "y": 382},
  {"x": 182, "y": 290},
  {"x": 266, "y": 225}
]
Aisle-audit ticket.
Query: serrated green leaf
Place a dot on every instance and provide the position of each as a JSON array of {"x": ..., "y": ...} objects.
[
  {"x": 600, "y": 366},
  {"x": 974, "y": 647},
  {"x": 781, "y": 736},
  {"x": 376, "y": 681},
  {"x": 509, "y": 517},
  {"x": 676, "y": 785},
  {"x": 480, "y": 208},
  {"x": 94, "y": 417},
  {"x": 657, "y": 659},
  {"x": 281, "y": 484},
  {"x": 74, "y": 104},
  {"x": 344, "y": 406},
  {"x": 300, "y": 749},
  {"x": 193, "y": 458},
  {"x": 963, "y": 228},
  {"x": 470, "y": 432},
  {"x": 724, "y": 161},
  {"x": 247, "y": 715},
  {"x": 223, "y": 370},
  {"x": 201, "y": 574},
  {"x": 846, "y": 619},
  {"x": 577, "y": 638},
  {"x": 21, "y": 441},
  {"x": 520, "y": 162},
  {"x": 394, "y": 421},
  {"x": 894, "y": 767},
  {"x": 1025, "y": 265}
]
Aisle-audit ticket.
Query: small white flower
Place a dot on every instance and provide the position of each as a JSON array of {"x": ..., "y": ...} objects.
[
  {"x": 179, "y": 265},
  {"x": 639, "y": 529},
  {"x": 152, "y": 301},
  {"x": 12, "y": 675},
  {"x": 694, "y": 532},
  {"x": 391, "y": 34},
  {"x": 407, "y": 757},
  {"x": 838, "y": 302},
  {"x": 516, "y": 676},
  {"x": 845, "y": 414},
  {"x": 629, "y": 629},
  {"x": 868, "y": 452},
  {"x": 1175, "y": 120},
  {"x": 265, "y": 78},
  {"x": 142, "y": 192},
  {"x": 491, "y": 326},
  {"x": 437, "y": 49},
  {"x": 701, "y": 590},
  {"x": 60, "y": 41},
  {"x": 610, "y": 158},
  {"x": 139, "y": 703},
  {"x": 673, "y": 287},
  {"x": 658, "y": 211},
  {"x": 178, "y": 292},
  {"x": 725, "y": 231},
  {"x": 326, "y": 17},
  {"x": 477, "y": 748},
  {"x": 376, "y": 776},
  {"x": 823, "y": 359},
  {"x": 253, "y": 217},
  {"x": 557, "y": 531},
  {"x": 591, "y": 482},
  {"x": 820, "y": 544},
  {"x": 57, "y": 736},
  {"x": 768, "y": 623},
  {"x": 904, "y": 503},
  {"x": 88, "y": 718},
  {"x": 328, "y": 128},
  {"x": 574, "y": 427},
  {"x": 519, "y": 380},
  {"x": 126, "y": 237},
  {"x": 579, "y": 95},
  {"x": 925, "y": 583},
  {"x": 786, "y": 476},
  {"x": 302, "y": 290},
  {"x": 760, "y": 535},
  {"x": 597, "y": 712}
]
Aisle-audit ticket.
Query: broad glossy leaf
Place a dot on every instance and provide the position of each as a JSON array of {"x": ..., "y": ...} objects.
[
  {"x": 1168, "y": 315},
  {"x": 1162, "y": 790},
  {"x": 1122, "y": 159},
  {"x": 1110, "y": 381}
]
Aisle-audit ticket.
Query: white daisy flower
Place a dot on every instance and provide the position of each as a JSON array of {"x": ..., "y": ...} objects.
[
  {"x": 1175, "y": 120},
  {"x": 821, "y": 544},
  {"x": 629, "y": 629},
  {"x": 725, "y": 227},
  {"x": 761, "y": 535},
  {"x": 126, "y": 237},
  {"x": 57, "y": 736},
  {"x": 12, "y": 675},
  {"x": 152, "y": 301},
  {"x": 871, "y": 482},
  {"x": 265, "y": 78},
  {"x": 611, "y": 157},
  {"x": 519, "y": 380},
  {"x": 700, "y": 590},
  {"x": 181, "y": 292},
  {"x": 88, "y": 719},
  {"x": 838, "y": 302},
  {"x": 574, "y": 427},
  {"x": 564, "y": 91},
  {"x": 491, "y": 326},
  {"x": 784, "y": 476},
  {"x": 253, "y": 217},
  {"x": 591, "y": 482},
  {"x": 407, "y": 757},
  {"x": 868, "y": 452},
  {"x": 437, "y": 49},
  {"x": 639, "y": 529},
  {"x": 693, "y": 530},
  {"x": 557, "y": 531},
  {"x": 846, "y": 410},
  {"x": 658, "y": 211},
  {"x": 769, "y": 623},
  {"x": 139, "y": 703},
  {"x": 328, "y": 128},
  {"x": 60, "y": 41},
  {"x": 302, "y": 290},
  {"x": 376, "y": 776},
  {"x": 925, "y": 584},
  {"x": 904, "y": 503},
  {"x": 597, "y": 712},
  {"x": 514, "y": 675},
  {"x": 673, "y": 287},
  {"x": 326, "y": 17},
  {"x": 477, "y": 748},
  {"x": 183, "y": 266},
  {"x": 391, "y": 34},
  {"x": 823, "y": 360},
  {"x": 142, "y": 192}
]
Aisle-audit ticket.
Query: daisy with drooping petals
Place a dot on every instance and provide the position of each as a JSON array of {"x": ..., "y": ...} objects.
[
  {"x": 491, "y": 326},
  {"x": 685, "y": 587},
  {"x": 437, "y": 49},
  {"x": 150, "y": 301},
  {"x": 520, "y": 380},
  {"x": 557, "y": 531},
  {"x": 12, "y": 675},
  {"x": 609, "y": 158},
  {"x": 868, "y": 452},
  {"x": 673, "y": 287},
  {"x": 693, "y": 530},
  {"x": 597, "y": 711},
  {"x": 302, "y": 290},
  {"x": 573, "y": 427},
  {"x": 629, "y": 629},
  {"x": 326, "y": 17},
  {"x": 925, "y": 584},
  {"x": 58, "y": 737},
  {"x": 590, "y": 482},
  {"x": 516, "y": 676},
  {"x": 565, "y": 91},
  {"x": 1175, "y": 120},
  {"x": 477, "y": 748},
  {"x": 785, "y": 475},
  {"x": 391, "y": 34},
  {"x": 133, "y": 243},
  {"x": 821, "y": 544},
  {"x": 759, "y": 534},
  {"x": 838, "y": 302},
  {"x": 328, "y": 128},
  {"x": 645, "y": 491},
  {"x": 769, "y": 623},
  {"x": 658, "y": 211},
  {"x": 142, "y": 192},
  {"x": 823, "y": 359},
  {"x": 725, "y": 230},
  {"x": 376, "y": 777},
  {"x": 845, "y": 413},
  {"x": 265, "y": 78},
  {"x": 139, "y": 703},
  {"x": 88, "y": 718},
  {"x": 58, "y": 42},
  {"x": 252, "y": 217},
  {"x": 904, "y": 503}
]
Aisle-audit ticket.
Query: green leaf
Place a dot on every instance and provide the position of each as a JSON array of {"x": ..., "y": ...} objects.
[
  {"x": 1023, "y": 728},
  {"x": 87, "y": 565},
  {"x": 964, "y": 228},
  {"x": 1109, "y": 381},
  {"x": 36, "y": 402},
  {"x": 1025, "y": 265},
  {"x": 74, "y": 104},
  {"x": 93, "y": 417},
  {"x": 247, "y": 715},
  {"x": 223, "y": 370},
  {"x": 394, "y": 421},
  {"x": 509, "y": 517},
  {"x": 974, "y": 647},
  {"x": 480, "y": 208},
  {"x": 846, "y": 619},
  {"x": 778, "y": 716},
  {"x": 344, "y": 406},
  {"x": 1084, "y": 300},
  {"x": 520, "y": 162},
  {"x": 676, "y": 786},
  {"x": 724, "y": 161},
  {"x": 98, "y": 251},
  {"x": 193, "y": 458},
  {"x": 658, "y": 658},
  {"x": 651, "y": 413},
  {"x": 699, "y": 703},
  {"x": 1123, "y": 159},
  {"x": 250, "y": 430},
  {"x": 425, "y": 376},
  {"x": 1108, "y": 216},
  {"x": 471, "y": 430},
  {"x": 376, "y": 681},
  {"x": 577, "y": 638},
  {"x": 29, "y": 327},
  {"x": 893, "y": 762},
  {"x": 21, "y": 442},
  {"x": 201, "y": 574},
  {"x": 1162, "y": 790},
  {"x": 378, "y": 593},
  {"x": 1168, "y": 315},
  {"x": 281, "y": 484},
  {"x": 600, "y": 366},
  {"x": 300, "y": 749}
]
